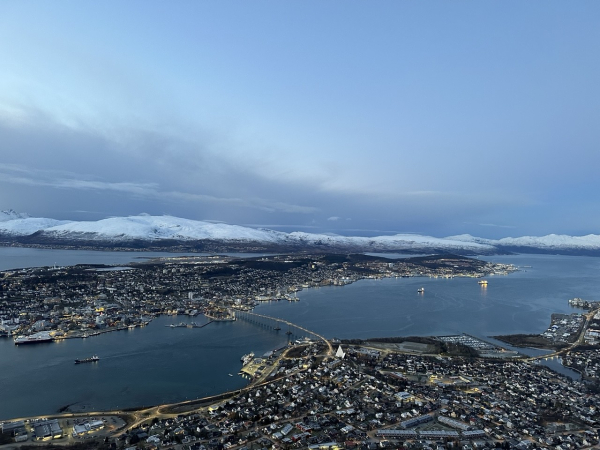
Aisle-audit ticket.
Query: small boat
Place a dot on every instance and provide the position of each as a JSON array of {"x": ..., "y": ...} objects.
[
  {"x": 87, "y": 360},
  {"x": 421, "y": 290},
  {"x": 483, "y": 282},
  {"x": 230, "y": 375},
  {"x": 247, "y": 359}
]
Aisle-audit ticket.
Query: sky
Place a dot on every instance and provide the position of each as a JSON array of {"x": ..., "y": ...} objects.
[{"x": 347, "y": 117}]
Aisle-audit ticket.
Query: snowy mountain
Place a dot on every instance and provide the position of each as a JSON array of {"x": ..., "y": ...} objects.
[
  {"x": 10, "y": 214},
  {"x": 183, "y": 234},
  {"x": 164, "y": 231},
  {"x": 550, "y": 243}
]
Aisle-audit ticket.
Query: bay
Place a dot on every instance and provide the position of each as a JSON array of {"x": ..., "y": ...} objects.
[
  {"x": 23, "y": 257},
  {"x": 143, "y": 366},
  {"x": 521, "y": 302}
]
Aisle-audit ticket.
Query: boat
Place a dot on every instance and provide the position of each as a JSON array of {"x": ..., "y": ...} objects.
[
  {"x": 230, "y": 375},
  {"x": 36, "y": 338},
  {"x": 87, "y": 360},
  {"x": 421, "y": 290},
  {"x": 483, "y": 282},
  {"x": 247, "y": 359}
]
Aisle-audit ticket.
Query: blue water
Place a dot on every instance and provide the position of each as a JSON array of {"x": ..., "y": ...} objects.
[
  {"x": 521, "y": 302},
  {"x": 21, "y": 257},
  {"x": 144, "y": 366}
]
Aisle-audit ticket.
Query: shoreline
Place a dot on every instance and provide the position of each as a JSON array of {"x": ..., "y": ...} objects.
[
  {"x": 506, "y": 270},
  {"x": 164, "y": 314}
]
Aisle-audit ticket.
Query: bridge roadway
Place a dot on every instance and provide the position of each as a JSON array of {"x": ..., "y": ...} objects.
[{"x": 290, "y": 324}]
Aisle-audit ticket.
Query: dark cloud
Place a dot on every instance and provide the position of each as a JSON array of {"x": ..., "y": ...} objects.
[{"x": 74, "y": 173}]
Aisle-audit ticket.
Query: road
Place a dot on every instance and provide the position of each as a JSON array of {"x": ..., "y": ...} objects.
[{"x": 580, "y": 339}]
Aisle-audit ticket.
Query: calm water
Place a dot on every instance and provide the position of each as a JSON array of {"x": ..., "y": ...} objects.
[
  {"x": 156, "y": 364},
  {"x": 19, "y": 257},
  {"x": 518, "y": 303},
  {"x": 143, "y": 366}
]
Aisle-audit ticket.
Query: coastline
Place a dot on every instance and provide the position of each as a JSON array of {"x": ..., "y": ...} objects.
[{"x": 309, "y": 288}]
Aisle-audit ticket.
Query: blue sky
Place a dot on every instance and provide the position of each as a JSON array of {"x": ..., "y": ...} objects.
[{"x": 348, "y": 117}]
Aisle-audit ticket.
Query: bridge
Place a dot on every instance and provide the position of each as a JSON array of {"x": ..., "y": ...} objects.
[{"x": 284, "y": 326}]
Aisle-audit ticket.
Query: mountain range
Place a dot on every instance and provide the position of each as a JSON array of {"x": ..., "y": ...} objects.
[{"x": 167, "y": 232}]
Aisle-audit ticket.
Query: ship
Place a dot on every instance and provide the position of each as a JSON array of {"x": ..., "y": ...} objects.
[
  {"x": 87, "y": 360},
  {"x": 247, "y": 359},
  {"x": 483, "y": 282},
  {"x": 421, "y": 290},
  {"x": 36, "y": 338}
]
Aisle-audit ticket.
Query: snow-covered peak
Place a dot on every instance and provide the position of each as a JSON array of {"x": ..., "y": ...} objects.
[
  {"x": 11, "y": 214},
  {"x": 160, "y": 227},
  {"x": 548, "y": 242},
  {"x": 156, "y": 228},
  {"x": 30, "y": 225},
  {"x": 553, "y": 241},
  {"x": 469, "y": 238}
]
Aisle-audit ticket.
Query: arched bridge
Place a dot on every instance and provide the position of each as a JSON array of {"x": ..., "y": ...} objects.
[{"x": 277, "y": 324}]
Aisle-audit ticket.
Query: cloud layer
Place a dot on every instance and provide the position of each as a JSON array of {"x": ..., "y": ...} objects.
[{"x": 397, "y": 116}]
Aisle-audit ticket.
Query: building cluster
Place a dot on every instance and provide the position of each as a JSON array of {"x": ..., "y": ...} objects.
[
  {"x": 60, "y": 429},
  {"x": 80, "y": 301},
  {"x": 41, "y": 430},
  {"x": 586, "y": 362},
  {"x": 584, "y": 304},
  {"x": 564, "y": 328},
  {"x": 373, "y": 399}
]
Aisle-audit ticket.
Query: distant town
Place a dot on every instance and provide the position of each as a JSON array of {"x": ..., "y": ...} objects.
[
  {"x": 445, "y": 392},
  {"x": 83, "y": 300}
]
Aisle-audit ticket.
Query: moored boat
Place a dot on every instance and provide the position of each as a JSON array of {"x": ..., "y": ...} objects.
[
  {"x": 247, "y": 359},
  {"x": 36, "y": 338}
]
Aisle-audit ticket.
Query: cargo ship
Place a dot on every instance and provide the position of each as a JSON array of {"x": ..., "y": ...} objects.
[
  {"x": 87, "y": 360},
  {"x": 36, "y": 338}
]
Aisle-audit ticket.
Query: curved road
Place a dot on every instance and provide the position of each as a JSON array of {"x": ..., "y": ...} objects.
[{"x": 578, "y": 341}]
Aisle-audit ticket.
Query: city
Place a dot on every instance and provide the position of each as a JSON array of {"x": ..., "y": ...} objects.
[{"x": 80, "y": 301}]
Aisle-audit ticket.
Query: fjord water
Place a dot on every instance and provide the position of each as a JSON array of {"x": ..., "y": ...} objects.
[
  {"x": 521, "y": 302},
  {"x": 157, "y": 364},
  {"x": 21, "y": 257},
  {"x": 143, "y": 366}
]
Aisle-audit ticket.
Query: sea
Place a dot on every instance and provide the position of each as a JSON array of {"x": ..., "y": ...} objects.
[{"x": 158, "y": 364}]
